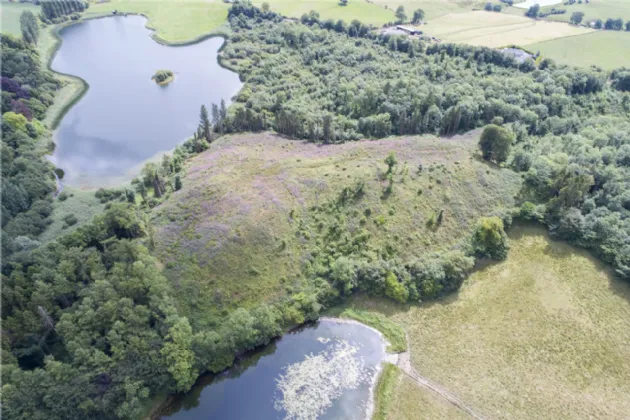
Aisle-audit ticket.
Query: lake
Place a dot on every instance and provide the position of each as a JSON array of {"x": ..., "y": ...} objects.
[
  {"x": 325, "y": 371},
  {"x": 125, "y": 118}
]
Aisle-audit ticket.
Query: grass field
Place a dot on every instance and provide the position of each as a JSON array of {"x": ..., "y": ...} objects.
[
  {"x": 433, "y": 9},
  {"x": 602, "y": 48},
  {"x": 595, "y": 9},
  {"x": 544, "y": 334},
  {"x": 229, "y": 236},
  {"x": 175, "y": 21},
  {"x": 10, "y": 16},
  {"x": 331, "y": 9},
  {"x": 492, "y": 29}
]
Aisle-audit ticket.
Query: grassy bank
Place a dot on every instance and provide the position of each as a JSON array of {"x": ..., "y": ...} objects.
[
  {"x": 384, "y": 391},
  {"x": 83, "y": 205},
  {"x": 543, "y": 334},
  {"x": 390, "y": 330}
]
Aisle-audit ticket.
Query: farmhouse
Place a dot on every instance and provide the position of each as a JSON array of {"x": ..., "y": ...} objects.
[
  {"x": 518, "y": 54},
  {"x": 409, "y": 30}
]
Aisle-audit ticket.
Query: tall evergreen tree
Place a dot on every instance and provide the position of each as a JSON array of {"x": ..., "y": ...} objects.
[
  {"x": 29, "y": 27},
  {"x": 204, "y": 123}
]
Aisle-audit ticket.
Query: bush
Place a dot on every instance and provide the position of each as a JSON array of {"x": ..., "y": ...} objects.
[{"x": 489, "y": 239}]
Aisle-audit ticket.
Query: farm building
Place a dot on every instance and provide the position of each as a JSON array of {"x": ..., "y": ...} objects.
[
  {"x": 518, "y": 54},
  {"x": 409, "y": 30}
]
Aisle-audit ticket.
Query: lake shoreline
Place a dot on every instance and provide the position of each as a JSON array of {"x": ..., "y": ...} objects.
[
  {"x": 56, "y": 116},
  {"x": 53, "y": 52},
  {"x": 164, "y": 401}
]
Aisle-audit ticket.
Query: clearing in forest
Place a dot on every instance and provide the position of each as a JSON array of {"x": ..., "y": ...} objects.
[
  {"x": 544, "y": 334},
  {"x": 491, "y": 29},
  {"x": 228, "y": 238}
]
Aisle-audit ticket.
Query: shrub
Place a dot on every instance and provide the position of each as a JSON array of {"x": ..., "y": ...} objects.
[{"x": 489, "y": 239}]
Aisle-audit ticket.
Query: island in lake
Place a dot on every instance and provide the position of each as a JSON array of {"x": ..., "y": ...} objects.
[{"x": 163, "y": 77}]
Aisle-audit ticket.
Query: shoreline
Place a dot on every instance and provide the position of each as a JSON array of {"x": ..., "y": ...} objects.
[
  {"x": 54, "y": 30},
  {"x": 165, "y": 399},
  {"x": 392, "y": 358}
]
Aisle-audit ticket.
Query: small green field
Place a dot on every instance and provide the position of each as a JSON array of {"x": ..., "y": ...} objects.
[
  {"x": 174, "y": 21},
  {"x": 601, "y": 48},
  {"x": 10, "y": 16},
  {"x": 230, "y": 236},
  {"x": 543, "y": 334},
  {"x": 433, "y": 9},
  {"x": 491, "y": 29},
  {"x": 594, "y": 9},
  {"x": 361, "y": 10}
]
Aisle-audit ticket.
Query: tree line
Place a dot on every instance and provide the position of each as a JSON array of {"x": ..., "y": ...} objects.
[{"x": 55, "y": 9}]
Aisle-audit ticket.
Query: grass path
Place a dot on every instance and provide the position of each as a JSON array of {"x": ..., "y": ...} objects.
[{"x": 405, "y": 365}]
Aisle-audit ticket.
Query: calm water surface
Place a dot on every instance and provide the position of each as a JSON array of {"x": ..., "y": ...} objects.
[
  {"x": 329, "y": 361},
  {"x": 125, "y": 118}
]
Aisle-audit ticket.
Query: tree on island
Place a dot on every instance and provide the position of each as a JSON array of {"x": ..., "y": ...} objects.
[{"x": 163, "y": 77}]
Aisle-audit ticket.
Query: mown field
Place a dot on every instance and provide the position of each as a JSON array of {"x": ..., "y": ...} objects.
[
  {"x": 491, "y": 29},
  {"x": 174, "y": 21},
  {"x": 595, "y": 9},
  {"x": 10, "y": 16},
  {"x": 544, "y": 334},
  {"x": 433, "y": 9},
  {"x": 361, "y": 10},
  {"x": 601, "y": 48},
  {"x": 228, "y": 238}
]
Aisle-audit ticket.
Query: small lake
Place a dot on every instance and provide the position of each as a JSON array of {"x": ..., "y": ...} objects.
[
  {"x": 125, "y": 118},
  {"x": 324, "y": 371}
]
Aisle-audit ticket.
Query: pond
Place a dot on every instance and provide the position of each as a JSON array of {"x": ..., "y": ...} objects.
[
  {"x": 325, "y": 371},
  {"x": 125, "y": 118}
]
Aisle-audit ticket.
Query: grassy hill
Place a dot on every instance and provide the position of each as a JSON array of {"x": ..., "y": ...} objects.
[
  {"x": 543, "y": 334},
  {"x": 230, "y": 236}
]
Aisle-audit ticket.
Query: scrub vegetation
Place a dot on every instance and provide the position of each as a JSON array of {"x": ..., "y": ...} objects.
[{"x": 396, "y": 167}]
